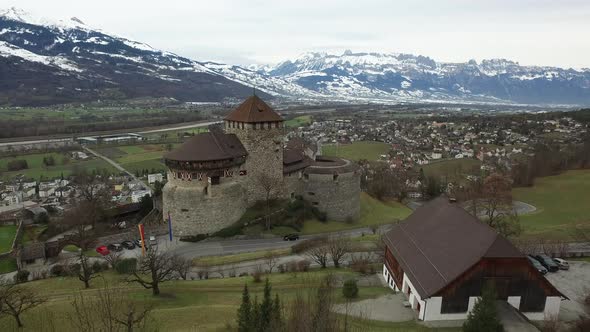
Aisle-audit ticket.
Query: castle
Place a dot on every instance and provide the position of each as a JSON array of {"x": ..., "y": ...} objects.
[{"x": 215, "y": 176}]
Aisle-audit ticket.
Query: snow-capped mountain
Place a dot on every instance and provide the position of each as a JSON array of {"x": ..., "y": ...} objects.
[
  {"x": 406, "y": 76},
  {"x": 49, "y": 62}
]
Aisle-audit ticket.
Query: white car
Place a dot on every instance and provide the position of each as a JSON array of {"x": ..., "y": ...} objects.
[
  {"x": 562, "y": 263},
  {"x": 153, "y": 241}
]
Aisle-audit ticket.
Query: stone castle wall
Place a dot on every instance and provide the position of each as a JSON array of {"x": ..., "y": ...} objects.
[
  {"x": 265, "y": 158},
  {"x": 197, "y": 207},
  {"x": 339, "y": 199}
]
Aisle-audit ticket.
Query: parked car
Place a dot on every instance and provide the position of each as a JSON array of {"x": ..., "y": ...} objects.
[
  {"x": 115, "y": 247},
  {"x": 562, "y": 263},
  {"x": 128, "y": 245},
  {"x": 103, "y": 250},
  {"x": 291, "y": 237},
  {"x": 137, "y": 242},
  {"x": 537, "y": 265},
  {"x": 153, "y": 241},
  {"x": 547, "y": 262}
]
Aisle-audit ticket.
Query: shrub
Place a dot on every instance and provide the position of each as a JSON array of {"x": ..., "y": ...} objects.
[
  {"x": 17, "y": 165},
  {"x": 58, "y": 271},
  {"x": 74, "y": 269},
  {"x": 193, "y": 238},
  {"x": 126, "y": 265},
  {"x": 282, "y": 268},
  {"x": 21, "y": 276},
  {"x": 233, "y": 230},
  {"x": 97, "y": 267},
  {"x": 257, "y": 274},
  {"x": 320, "y": 215},
  {"x": 303, "y": 265},
  {"x": 243, "y": 274},
  {"x": 350, "y": 289},
  {"x": 291, "y": 266},
  {"x": 361, "y": 266}
]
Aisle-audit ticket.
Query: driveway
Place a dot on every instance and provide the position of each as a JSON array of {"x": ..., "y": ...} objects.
[
  {"x": 512, "y": 320},
  {"x": 575, "y": 284},
  {"x": 387, "y": 308}
]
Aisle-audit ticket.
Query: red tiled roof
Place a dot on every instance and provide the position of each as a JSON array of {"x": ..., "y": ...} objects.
[{"x": 254, "y": 110}]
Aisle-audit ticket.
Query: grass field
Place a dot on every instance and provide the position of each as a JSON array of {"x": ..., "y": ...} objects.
[
  {"x": 63, "y": 165},
  {"x": 238, "y": 258},
  {"x": 138, "y": 157},
  {"x": 373, "y": 212},
  {"x": 358, "y": 150},
  {"x": 205, "y": 305},
  {"x": 7, "y": 234},
  {"x": 453, "y": 170},
  {"x": 298, "y": 121},
  {"x": 562, "y": 203}
]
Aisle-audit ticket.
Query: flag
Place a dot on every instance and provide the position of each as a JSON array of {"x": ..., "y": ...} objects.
[
  {"x": 142, "y": 237},
  {"x": 170, "y": 226}
]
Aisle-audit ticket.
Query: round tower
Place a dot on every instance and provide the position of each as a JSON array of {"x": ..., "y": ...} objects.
[{"x": 260, "y": 130}]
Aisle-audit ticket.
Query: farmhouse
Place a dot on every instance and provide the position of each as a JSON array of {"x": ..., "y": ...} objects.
[{"x": 441, "y": 257}]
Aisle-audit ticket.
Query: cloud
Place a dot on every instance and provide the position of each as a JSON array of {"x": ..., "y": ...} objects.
[{"x": 529, "y": 31}]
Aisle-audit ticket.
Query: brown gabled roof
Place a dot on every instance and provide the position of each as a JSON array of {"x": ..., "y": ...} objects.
[
  {"x": 440, "y": 241},
  {"x": 254, "y": 110},
  {"x": 209, "y": 146}
]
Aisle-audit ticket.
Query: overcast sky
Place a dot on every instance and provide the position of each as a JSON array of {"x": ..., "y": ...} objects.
[{"x": 532, "y": 32}]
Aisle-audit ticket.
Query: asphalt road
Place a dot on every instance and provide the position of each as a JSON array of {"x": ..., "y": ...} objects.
[{"x": 233, "y": 246}]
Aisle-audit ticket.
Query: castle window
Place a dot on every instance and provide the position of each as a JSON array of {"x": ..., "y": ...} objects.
[
  {"x": 311, "y": 193},
  {"x": 215, "y": 180},
  {"x": 335, "y": 177},
  {"x": 315, "y": 203},
  {"x": 270, "y": 125},
  {"x": 306, "y": 176},
  {"x": 254, "y": 125}
]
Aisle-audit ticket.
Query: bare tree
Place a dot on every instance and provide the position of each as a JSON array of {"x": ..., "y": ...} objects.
[
  {"x": 318, "y": 254},
  {"x": 113, "y": 258},
  {"x": 80, "y": 219},
  {"x": 110, "y": 310},
  {"x": 271, "y": 259},
  {"x": 338, "y": 248},
  {"x": 182, "y": 266},
  {"x": 269, "y": 185},
  {"x": 154, "y": 268},
  {"x": 16, "y": 299}
]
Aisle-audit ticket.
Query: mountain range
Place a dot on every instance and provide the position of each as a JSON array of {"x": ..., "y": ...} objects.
[{"x": 45, "y": 62}]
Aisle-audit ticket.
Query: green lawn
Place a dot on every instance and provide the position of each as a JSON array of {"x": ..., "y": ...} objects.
[
  {"x": 7, "y": 265},
  {"x": 7, "y": 234},
  {"x": 358, "y": 150},
  {"x": 563, "y": 205},
  {"x": 37, "y": 170},
  {"x": 373, "y": 212},
  {"x": 205, "y": 305},
  {"x": 298, "y": 121},
  {"x": 452, "y": 170},
  {"x": 237, "y": 258}
]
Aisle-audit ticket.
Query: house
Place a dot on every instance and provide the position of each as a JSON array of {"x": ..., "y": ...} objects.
[
  {"x": 46, "y": 192},
  {"x": 442, "y": 271},
  {"x": 137, "y": 195},
  {"x": 13, "y": 198},
  {"x": 153, "y": 178}
]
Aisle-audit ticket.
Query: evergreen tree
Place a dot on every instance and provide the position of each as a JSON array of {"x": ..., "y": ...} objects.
[
  {"x": 266, "y": 307},
  {"x": 245, "y": 312},
  {"x": 277, "y": 317},
  {"x": 255, "y": 317},
  {"x": 484, "y": 316}
]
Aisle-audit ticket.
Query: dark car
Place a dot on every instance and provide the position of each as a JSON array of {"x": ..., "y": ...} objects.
[
  {"x": 115, "y": 247},
  {"x": 291, "y": 237},
  {"x": 537, "y": 265},
  {"x": 547, "y": 262},
  {"x": 128, "y": 245}
]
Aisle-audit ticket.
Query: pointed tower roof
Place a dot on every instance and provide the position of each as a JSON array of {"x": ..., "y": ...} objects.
[{"x": 254, "y": 110}]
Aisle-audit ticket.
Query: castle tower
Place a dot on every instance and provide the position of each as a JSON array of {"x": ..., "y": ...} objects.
[{"x": 260, "y": 129}]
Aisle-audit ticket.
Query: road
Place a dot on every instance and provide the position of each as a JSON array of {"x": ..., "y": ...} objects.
[
  {"x": 204, "y": 124},
  {"x": 115, "y": 165},
  {"x": 233, "y": 246}
]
